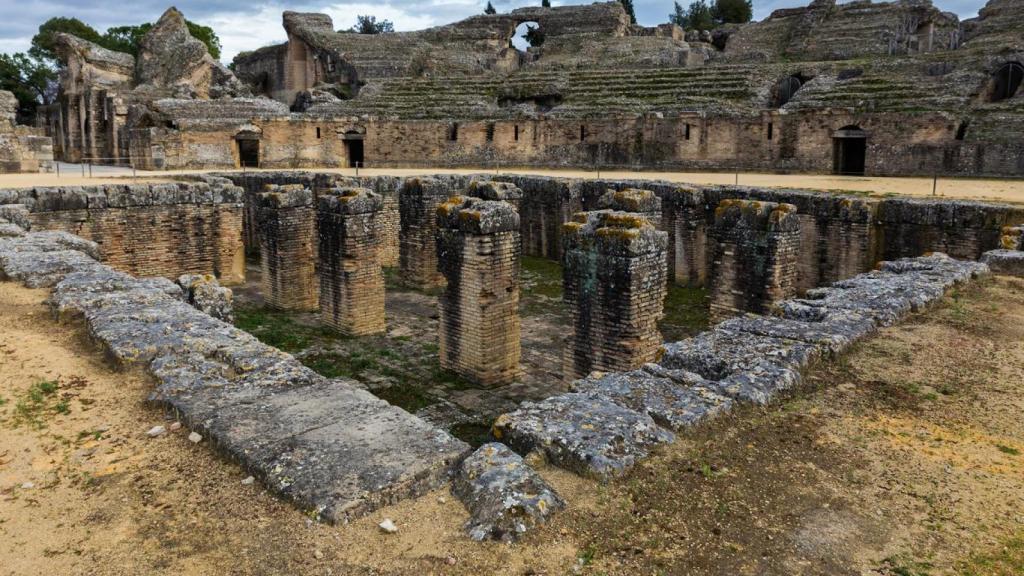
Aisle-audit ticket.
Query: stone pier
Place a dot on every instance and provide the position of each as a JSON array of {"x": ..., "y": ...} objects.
[
  {"x": 351, "y": 278},
  {"x": 755, "y": 255},
  {"x": 684, "y": 217},
  {"x": 287, "y": 237},
  {"x": 614, "y": 284},
  {"x": 497, "y": 191},
  {"x": 418, "y": 199},
  {"x": 642, "y": 202},
  {"x": 478, "y": 250}
]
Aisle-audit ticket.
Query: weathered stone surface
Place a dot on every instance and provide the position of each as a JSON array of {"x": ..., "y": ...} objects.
[
  {"x": 1008, "y": 262},
  {"x": 418, "y": 200},
  {"x": 670, "y": 402},
  {"x": 16, "y": 214},
  {"x": 7, "y": 229},
  {"x": 584, "y": 433},
  {"x": 505, "y": 497},
  {"x": 204, "y": 293},
  {"x": 334, "y": 449},
  {"x": 286, "y": 229}
]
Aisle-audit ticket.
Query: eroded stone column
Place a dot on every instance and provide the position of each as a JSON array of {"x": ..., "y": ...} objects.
[
  {"x": 351, "y": 279},
  {"x": 418, "y": 199},
  {"x": 497, "y": 191},
  {"x": 642, "y": 202},
  {"x": 614, "y": 284},
  {"x": 479, "y": 249},
  {"x": 287, "y": 238},
  {"x": 755, "y": 254},
  {"x": 685, "y": 220}
]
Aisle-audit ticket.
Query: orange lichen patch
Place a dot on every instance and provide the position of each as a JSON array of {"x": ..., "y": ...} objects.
[
  {"x": 580, "y": 217},
  {"x": 624, "y": 220},
  {"x": 449, "y": 205},
  {"x": 572, "y": 227},
  {"x": 632, "y": 198},
  {"x": 620, "y": 233},
  {"x": 470, "y": 215},
  {"x": 965, "y": 448}
]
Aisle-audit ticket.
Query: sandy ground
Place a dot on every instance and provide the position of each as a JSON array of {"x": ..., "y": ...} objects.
[
  {"x": 1008, "y": 190},
  {"x": 903, "y": 458}
]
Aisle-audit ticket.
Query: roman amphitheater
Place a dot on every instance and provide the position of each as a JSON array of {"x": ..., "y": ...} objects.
[{"x": 627, "y": 301}]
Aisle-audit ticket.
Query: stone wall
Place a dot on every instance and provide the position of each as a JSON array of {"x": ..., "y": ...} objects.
[
  {"x": 753, "y": 259},
  {"x": 614, "y": 285},
  {"x": 169, "y": 229},
  {"x": 351, "y": 279},
  {"x": 478, "y": 252},
  {"x": 285, "y": 225},
  {"x": 418, "y": 201},
  {"x": 22, "y": 149}
]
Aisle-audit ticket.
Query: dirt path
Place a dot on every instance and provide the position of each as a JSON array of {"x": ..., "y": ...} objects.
[
  {"x": 905, "y": 458},
  {"x": 1005, "y": 190}
]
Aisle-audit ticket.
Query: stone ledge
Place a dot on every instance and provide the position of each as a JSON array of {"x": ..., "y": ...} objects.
[{"x": 1008, "y": 262}]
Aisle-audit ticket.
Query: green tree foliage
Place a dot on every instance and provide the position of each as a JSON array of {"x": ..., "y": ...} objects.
[
  {"x": 697, "y": 16},
  {"x": 732, "y": 11},
  {"x": 678, "y": 16},
  {"x": 44, "y": 42},
  {"x": 30, "y": 79},
  {"x": 628, "y": 5},
  {"x": 125, "y": 38},
  {"x": 490, "y": 9},
  {"x": 534, "y": 35},
  {"x": 207, "y": 36},
  {"x": 545, "y": 3},
  {"x": 369, "y": 25}
]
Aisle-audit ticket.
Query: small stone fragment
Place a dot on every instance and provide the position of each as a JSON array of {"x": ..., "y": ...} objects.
[
  {"x": 195, "y": 438},
  {"x": 388, "y": 526},
  {"x": 248, "y": 480},
  {"x": 175, "y": 426},
  {"x": 318, "y": 555},
  {"x": 156, "y": 431}
]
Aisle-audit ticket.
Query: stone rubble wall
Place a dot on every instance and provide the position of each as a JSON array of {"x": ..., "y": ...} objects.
[
  {"x": 333, "y": 449},
  {"x": 479, "y": 256},
  {"x": 351, "y": 279},
  {"x": 285, "y": 225},
  {"x": 160, "y": 229},
  {"x": 204, "y": 293},
  {"x": 614, "y": 282},
  {"x": 610, "y": 421},
  {"x": 753, "y": 261},
  {"x": 418, "y": 201}
]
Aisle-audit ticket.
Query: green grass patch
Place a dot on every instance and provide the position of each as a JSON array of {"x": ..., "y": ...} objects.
[
  {"x": 39, "y": 400},
  {"x": 542, "y": 277},
  {"x": 1008, "y": 450},
  {"x": 475, "y": 434},
  {"x": 1006, "y": 560},
  {"x": 686, "y": 312},
  {"x": 275, "y": 328}
]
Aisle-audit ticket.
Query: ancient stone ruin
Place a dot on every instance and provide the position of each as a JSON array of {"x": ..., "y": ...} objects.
[{"x": 22, "y": 148}]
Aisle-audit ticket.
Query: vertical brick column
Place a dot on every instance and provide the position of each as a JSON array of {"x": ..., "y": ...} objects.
[
  {"x": 479, "y": 249},
  {"x": 351, "y": 279},
  {"x": 755, "y": 252},
  {"x": 614, "y": 284},
  {"x": 287, "y": 238},
  {"x": 497, "y": 191},
  {"x": 685, "y": 219},
  {"x": 418, "y": 199}
]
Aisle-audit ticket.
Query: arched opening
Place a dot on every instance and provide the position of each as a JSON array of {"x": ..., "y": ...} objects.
[
  {"x": 354, "y": 148},
  {"x": 527, "y": 35},
  {"x": 1006, "y": 81},
  {"x": 849, "y": 151},
  {"x": 785, "y": 89}
]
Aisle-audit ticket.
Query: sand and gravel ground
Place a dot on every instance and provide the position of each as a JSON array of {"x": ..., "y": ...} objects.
[
  {"x": 904, "y": 458},
  {"x": 1006, "y": 190}
]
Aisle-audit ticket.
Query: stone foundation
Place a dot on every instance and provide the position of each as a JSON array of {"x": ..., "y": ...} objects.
[
  {"x": 478, "y": 251},
  {"x": 614, "y": 286},
  {"x": 287, "y": 236},
  {"x": 418, "y": 199},
  {"x": 755, "y": 249},
  {"x": 351, "y": 280}
]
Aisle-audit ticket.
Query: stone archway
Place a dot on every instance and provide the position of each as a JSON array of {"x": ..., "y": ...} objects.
[
  {"x": 1006, "y": 81},
  {"x": 248, "y": 143}
]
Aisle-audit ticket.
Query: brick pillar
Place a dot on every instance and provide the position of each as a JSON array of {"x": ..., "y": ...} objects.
[
  {"x": 614, "y": 284},
  {"x": 685, "y": 219},
  {"x": 755, "y": 250},
  {"x": 479, "y": 250},
  {"x": 351, "y": 279},
  {"x": 634, "y": 200},
  {"x": 497, "y": 191},
  {"x": 418, "y": 199},
  {"x": 287, "y": 238}
]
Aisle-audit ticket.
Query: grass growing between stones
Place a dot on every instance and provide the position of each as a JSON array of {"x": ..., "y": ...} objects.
[
  {"x": 686, "y": 312},
  {"x": 541, "y": 286}
]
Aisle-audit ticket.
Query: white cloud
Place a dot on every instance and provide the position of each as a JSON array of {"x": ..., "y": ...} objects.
[{"x": 249, "y": 32}]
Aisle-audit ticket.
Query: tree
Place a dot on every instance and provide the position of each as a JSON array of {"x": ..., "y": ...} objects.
[
  {"x": 490, "y": 9},
  {"x": 369, "y": 25},
  {"x": 534, "y": 35},
  {"x": 207, "y": 36},
  {"x": 44, "y": 42},
  {"x": 734, "y": 11},
  {"x": 628, "y": 5},
  {"x": 31, "y": 80},
  {"x": 678, "y": 16},
  {"x": 545, "y": 3},
  {"x": 698, "y": 16},
  {"x": 125, "y": 38}
]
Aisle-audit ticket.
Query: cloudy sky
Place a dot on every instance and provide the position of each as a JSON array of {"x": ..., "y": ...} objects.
[{"x": 249, "y": 24}]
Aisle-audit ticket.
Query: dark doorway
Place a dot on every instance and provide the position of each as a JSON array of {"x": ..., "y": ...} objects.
[
  {"x": 1008, "y": 79},
  {"x": 249, "y": 153},
  {"x": 849, "y": 151},
  {"x": 354, "y": 151}
]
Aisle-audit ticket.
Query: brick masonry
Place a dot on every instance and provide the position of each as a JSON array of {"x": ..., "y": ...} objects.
[
  {"x": 287, "y": 238},
  {"x": 614, "y": 285},
  {"x": 479, "y": 251},
  {"x": 418, "y": 199},
  {"x": 351, "y": 279},
  {"x": 755, "y": 250}
]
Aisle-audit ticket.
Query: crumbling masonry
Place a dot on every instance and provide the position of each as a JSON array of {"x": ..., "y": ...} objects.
[
  {"x": 287, "y": 236},
  {"x": 478, "y": 251},
  {"x": 614, "y": 285},
  {"x": 754, "y": 261},
  {"x": 351, "y": 279},
  {"x": 418, "y": 199}
]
